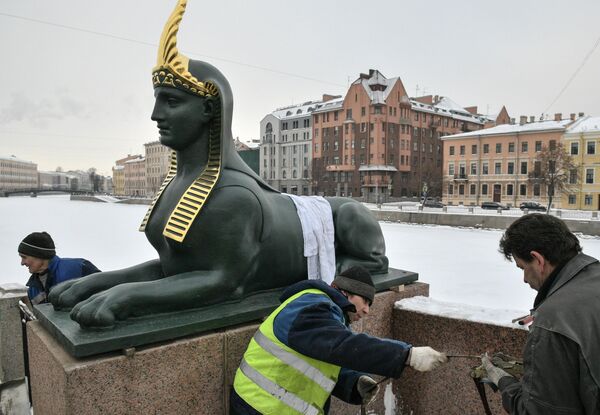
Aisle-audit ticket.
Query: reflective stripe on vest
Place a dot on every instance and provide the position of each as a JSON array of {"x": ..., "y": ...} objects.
[
  {"x": 284, "y": 396},
  {"x": 294, "y": 361},
  {"x": 276, "y": 380}
]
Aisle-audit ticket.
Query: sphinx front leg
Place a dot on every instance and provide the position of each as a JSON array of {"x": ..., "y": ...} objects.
[{"x": 178, "y": 292}]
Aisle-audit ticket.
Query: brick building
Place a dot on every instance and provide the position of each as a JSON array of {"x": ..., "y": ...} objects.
[{"x": 378, "y": 143}]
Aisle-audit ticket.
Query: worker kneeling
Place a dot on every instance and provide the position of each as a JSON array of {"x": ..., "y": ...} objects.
[{"x": 305, "y": 351}]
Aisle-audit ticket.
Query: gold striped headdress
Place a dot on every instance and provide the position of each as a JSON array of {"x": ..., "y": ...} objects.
[
  {"x": 172, "y": 70},
  {"x": 171, "y": 66}
]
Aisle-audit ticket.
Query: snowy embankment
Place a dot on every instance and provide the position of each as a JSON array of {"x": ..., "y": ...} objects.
[{"x": 461, "y": 265}]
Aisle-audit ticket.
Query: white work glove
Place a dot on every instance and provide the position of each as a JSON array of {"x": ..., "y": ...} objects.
[
  {"x": 494, "y": 373},
  {"x": 367, "y": 388},
  {"x": 425, "y": 358}
]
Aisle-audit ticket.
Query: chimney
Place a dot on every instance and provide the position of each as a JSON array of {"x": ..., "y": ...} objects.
[
  {"x": 436, "y": 99},
  {"x": 371, "y": 72},
  {"x": 581, "y": 114},
  {"x": 557, "y": 116},
  {"x": 363, "y": 76},
  {"x": 523, "y": 119},
  {"x": 531, "y": 118},
  {"x": 512, "y": 121},
  {"x": 572, "y": 116}
]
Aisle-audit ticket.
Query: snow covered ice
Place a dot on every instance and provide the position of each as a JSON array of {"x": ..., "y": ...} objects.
[{"x": 461, "y": 265}]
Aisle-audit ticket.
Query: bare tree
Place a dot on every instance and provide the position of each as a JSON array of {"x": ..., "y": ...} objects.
[{"x": 554, "y": 169}]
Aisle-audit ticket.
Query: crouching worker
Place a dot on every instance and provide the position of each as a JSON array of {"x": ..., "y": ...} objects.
[
  {"x": 305, "y": 351},
  {"x": 38, "y": 254}
]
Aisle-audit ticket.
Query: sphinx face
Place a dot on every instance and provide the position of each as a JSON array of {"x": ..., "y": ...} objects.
[{"x": 182, "y": 119}]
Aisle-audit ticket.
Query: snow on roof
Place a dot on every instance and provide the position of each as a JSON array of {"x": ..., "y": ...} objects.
[
  {"x": 503, "y": 129},
  {"x": 136, "y": 160},
  {"x": 449, "y": 108},
  {"x": 426, "y": 305},
  {"x": 330, "y": 105},
  {"x": 377, "y": 167},
  {"x": 299, "y": 110},
  {"x": 377, "y": 78},
  {"x": 585, "y": 124},
  {"x": 14, "y": 158}
]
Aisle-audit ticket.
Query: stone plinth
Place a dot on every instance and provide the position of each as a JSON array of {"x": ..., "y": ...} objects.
[
  {"x": 191, "y": 375},
  {"x": 11, "y": 338},
  {"x": 450, "y": 389}
]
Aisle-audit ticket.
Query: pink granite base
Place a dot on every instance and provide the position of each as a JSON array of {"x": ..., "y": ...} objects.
[
  {"x": 450, "y": 389},
  {"x": 187, "y": 376}
]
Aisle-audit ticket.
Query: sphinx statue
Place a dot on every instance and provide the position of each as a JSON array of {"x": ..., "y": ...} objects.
[{"x": 221, "y": 233}]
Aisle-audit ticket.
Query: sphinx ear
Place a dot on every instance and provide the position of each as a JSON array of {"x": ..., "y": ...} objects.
[{"x": 210, "y": 107}]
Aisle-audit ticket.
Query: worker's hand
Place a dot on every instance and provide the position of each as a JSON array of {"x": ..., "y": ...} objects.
[
  {"x": 425, "y": 358},
  {"x": 367, "y": 388},
  {"x": 494, "y": 373}
]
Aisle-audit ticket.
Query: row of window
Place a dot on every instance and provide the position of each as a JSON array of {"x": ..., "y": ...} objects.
[
  {"x": 507, "y": 190},
  {"x": 511, "y": 148},
  {"x": 590, "y": 147},
  {"x": 295, "y": 124},
  {"x": 284, "y": 162}
]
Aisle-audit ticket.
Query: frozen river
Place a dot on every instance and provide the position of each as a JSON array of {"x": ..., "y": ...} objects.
[{"x": 461, "y": 265}]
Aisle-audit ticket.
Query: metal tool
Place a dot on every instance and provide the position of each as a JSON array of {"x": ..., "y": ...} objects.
[{"x": 463, "y": 356}]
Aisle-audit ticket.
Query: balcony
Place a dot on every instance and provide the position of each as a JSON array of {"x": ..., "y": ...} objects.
[
  {"x": 461, "y": 177},
  {"x": 535, "y": 176}
]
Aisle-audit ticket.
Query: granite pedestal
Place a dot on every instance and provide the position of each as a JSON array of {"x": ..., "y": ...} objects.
[{"x": 191, "y": 375}]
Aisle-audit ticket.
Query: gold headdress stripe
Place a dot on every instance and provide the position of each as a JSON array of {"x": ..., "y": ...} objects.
[{"x": 171, "y": 66}]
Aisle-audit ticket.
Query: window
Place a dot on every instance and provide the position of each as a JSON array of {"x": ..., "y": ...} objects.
[
  {"x": 486, "y": 148},
  {"x": 524, "y": 147},
  {"x": 572, "y": 199},
  {"x": 484, "y": 189},
  {"x": 589, "y": 176},
  {"x": 462, "y": 150},
  {"x": 349, "y": 114},
  {"x": 473, "y": 189},
  {"x": 451, "y": 168},
  {"x": 591, "y": 147},
  {"x": 335, "y": 115},
  {"x": 523, "y": 190},
  {"x": 511, "y": 147},
  {"x": 588, "y": 199},
  {"x": 461, "y": 189},
  {"x": 538, "y": 146},
  {"x": 509, "y": 190},
  {"x": 523, "y": 167},
  {"x": 511, "y": 167},
  {"x": 484, "y": 168},
  {"x": 498, "y": 148},
  {"x": 573, "y": 176},
  {"x": 473, "y": 168},
  {"x": 575, "y": 148},
  {"x": 363, "y": 111},
  {"x": 474, "y": 149},
  {"x": 498, "y": 168},
  {"x": 451, "y": 151},
  {"x": 450, "y": 189}
]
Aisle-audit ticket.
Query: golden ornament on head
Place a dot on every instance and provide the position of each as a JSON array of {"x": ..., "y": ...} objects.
[{"x": 171, "y": 66}]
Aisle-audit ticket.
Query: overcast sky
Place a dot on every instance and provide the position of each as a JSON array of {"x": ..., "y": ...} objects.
[{"x": 77, "y": 89}]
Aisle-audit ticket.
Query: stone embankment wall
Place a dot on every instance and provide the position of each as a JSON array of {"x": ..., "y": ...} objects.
[{"x": 588, "y": 227}]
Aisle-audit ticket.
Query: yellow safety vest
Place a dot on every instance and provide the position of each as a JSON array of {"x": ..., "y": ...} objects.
[{"x": 276, "y": 380}]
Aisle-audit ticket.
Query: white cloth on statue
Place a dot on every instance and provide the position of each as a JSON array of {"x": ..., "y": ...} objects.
[{"x": 316, "y": 218}]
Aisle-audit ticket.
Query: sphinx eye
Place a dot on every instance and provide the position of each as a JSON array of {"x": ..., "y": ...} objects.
[{"x": 172, "y": 102}]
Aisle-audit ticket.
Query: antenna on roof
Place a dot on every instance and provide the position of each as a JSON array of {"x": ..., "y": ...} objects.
[{"x": 417, "y": 91}]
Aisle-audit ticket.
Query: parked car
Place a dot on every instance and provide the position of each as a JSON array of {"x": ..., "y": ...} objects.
[
  {"x": 493, "y": 205},
  {"x": 433, "y": 204},
  {"x": 532, "y": 206}
]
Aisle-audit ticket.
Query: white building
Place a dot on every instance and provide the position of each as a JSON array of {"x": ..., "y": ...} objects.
[
  {"x": 17, "y": 174},
  {"x": 286, "y": 147}
]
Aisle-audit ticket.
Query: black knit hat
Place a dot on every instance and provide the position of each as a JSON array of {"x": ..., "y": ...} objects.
[
  {"x": 38, "y": 245},
  {"x": 356, "y": 280}
]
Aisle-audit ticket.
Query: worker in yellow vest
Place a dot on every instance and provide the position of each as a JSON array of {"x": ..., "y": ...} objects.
[{"x": 304, "y": 351}]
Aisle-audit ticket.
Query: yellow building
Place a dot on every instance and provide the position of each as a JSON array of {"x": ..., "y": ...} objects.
[
  {"x": 582, "y": 140},
  {"x": 496, "y": 164}
]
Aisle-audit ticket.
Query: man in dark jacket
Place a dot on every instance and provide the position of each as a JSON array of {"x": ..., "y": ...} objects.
[
  {"x": 38, "y": 254},
  {"x": 562, "y": 353},
  {"x": 304, "y": 351}
]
